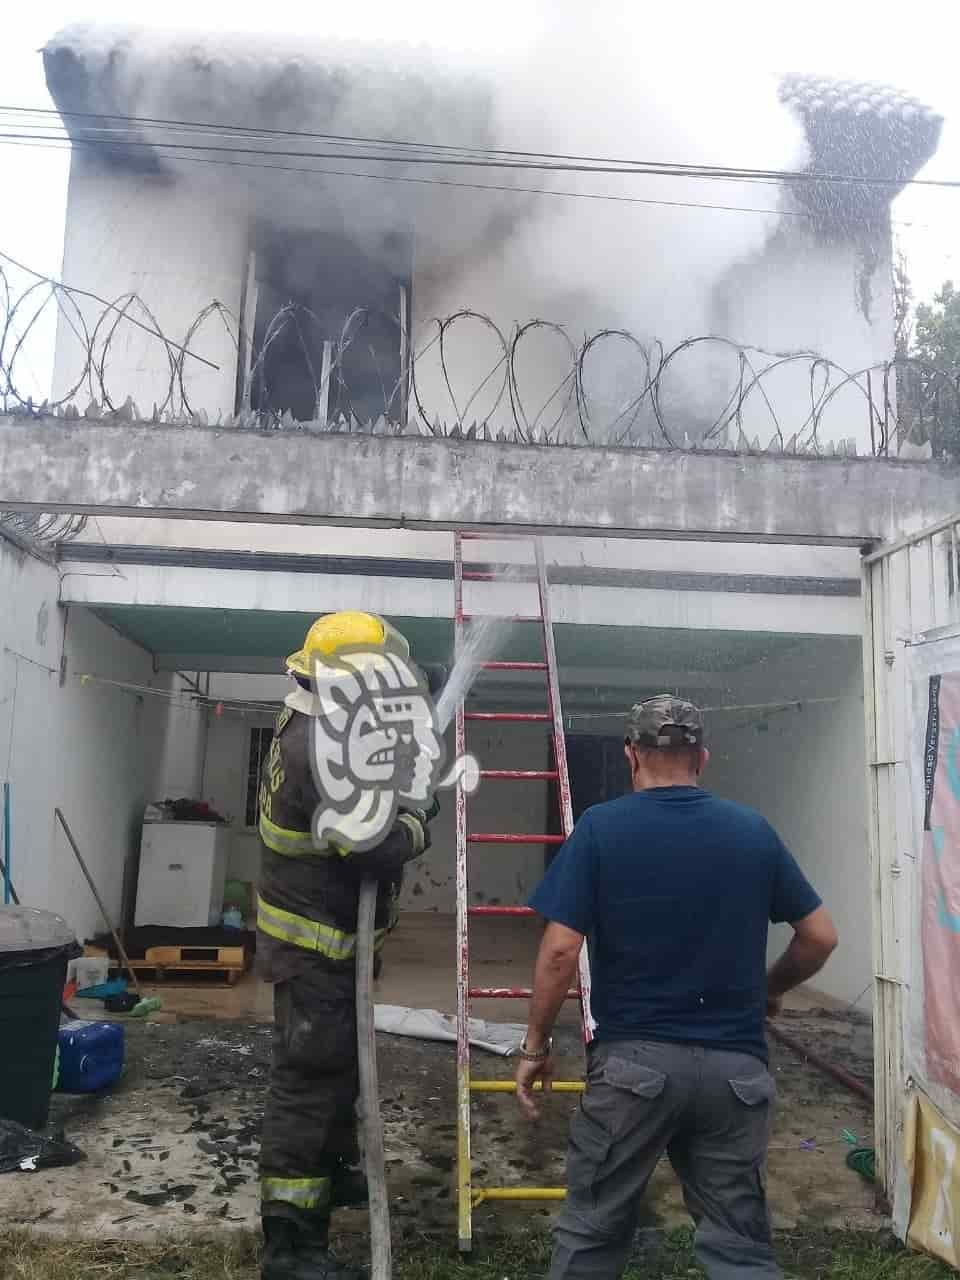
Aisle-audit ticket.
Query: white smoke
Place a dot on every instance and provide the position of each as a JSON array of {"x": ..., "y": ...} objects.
[
  {"x": 610, "y": 83},
  {"x": 608, "y": 80}
]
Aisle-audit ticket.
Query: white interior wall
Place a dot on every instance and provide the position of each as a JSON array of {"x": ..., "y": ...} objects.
[
  {"x": 803, "y": 769},
  {"x": 182, "y": 751},
  {"x": 88, "y": 747}
]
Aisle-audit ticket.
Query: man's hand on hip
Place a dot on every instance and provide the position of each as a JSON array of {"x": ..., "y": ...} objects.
[{"x": 528, "y": 1073}]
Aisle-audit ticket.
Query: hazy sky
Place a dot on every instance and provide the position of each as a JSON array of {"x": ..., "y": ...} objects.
[{"x": 848, "y": 38}]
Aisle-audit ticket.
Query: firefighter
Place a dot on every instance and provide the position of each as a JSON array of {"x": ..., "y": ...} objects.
[{"x": 307, "y": 919}]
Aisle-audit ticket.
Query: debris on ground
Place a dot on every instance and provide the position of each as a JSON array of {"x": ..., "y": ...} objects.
[
  {"x": 22, "y": 1150},
  {"x": 174, "y": 1145}
]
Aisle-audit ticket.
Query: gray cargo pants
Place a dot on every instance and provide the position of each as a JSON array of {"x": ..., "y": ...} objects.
[{"x": 710, "y": 1111}]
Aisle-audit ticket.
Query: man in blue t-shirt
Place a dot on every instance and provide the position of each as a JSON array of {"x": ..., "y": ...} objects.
[{"x": 675, "y": 889}]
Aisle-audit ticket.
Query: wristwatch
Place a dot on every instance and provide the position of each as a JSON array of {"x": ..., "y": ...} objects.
[{"x": 539, "y": 1055}]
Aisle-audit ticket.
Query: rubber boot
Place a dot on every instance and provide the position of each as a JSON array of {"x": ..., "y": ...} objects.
[{"x": 294, "y": 1252}]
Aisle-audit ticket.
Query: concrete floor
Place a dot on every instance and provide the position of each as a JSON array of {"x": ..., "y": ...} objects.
[{"x": 174, "y": 1145}]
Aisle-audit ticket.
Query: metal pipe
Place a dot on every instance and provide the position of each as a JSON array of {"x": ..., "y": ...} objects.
[
  {"x": 521, "y": 775},
  {"x": 510, "y": 993},
  {"x": 501, "y": 617},
  {"x": 488, "y": 837},
  {"x": 464, "y": 1172},
  {"x": 501, "y": 911},
  {"x": 510, "y": 1086},
  {"x": 513, "y": 717},
  {"x": 518, "y": 1193},
  {"x": 372, "y": 1124},
  {"x": 506, "y": 665},
  {"x": 7, "y": 881},
  {"x": 840, "y": 1074},
  {"x": 560, "y": 762}
]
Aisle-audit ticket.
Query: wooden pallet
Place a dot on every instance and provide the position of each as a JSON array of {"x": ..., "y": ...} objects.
[{"x": 230, "y": 961}]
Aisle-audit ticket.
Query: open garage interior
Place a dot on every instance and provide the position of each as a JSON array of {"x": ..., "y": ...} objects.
[
  {"x": 172, "y": 701},
  {"x": 146, "y": 664}
]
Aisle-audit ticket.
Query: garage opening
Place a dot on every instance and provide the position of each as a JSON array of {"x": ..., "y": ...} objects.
[{"x": 172, "y": 678}]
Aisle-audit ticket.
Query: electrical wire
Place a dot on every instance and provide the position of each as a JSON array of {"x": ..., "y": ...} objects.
[
  {"x": 486, "y": 157},
  {"x": 641, "y": 169},
  {"x": 783, "y": 705},
  {"x": 465, "y": 186},
  {"x": 267, "y": 706},
  {"x": 486, "y": 186},
  {"x": 184, "y": 697}
]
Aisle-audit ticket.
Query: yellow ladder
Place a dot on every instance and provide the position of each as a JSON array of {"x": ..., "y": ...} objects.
[{"x": 468, "y": 1195}]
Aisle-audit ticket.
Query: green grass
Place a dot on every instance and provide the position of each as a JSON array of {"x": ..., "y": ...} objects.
[{"x": 808, "y": 1255}]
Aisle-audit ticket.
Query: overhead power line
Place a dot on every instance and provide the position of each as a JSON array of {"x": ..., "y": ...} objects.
[
  {"x": 431, "y": 153},
  {"x": 638, "y": 169},
  {"x": 480, "y": 186},
  {"x": 449, "y": 182}
]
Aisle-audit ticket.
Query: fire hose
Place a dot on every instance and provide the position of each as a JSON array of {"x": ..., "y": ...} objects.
[{"x": 371, "y": 1123}]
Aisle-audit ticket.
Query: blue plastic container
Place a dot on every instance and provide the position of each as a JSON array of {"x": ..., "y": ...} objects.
[{"x": 91, "y": 1056}]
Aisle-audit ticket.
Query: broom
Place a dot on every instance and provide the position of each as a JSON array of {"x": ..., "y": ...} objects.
[{"x": 145, "y": 1004}]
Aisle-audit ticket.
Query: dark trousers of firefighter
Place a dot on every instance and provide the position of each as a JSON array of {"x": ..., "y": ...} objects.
[{"x": 309, "y": 1126}]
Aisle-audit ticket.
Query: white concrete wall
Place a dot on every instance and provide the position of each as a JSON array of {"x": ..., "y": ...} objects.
[
  {"x": 179, "y": 249},
  {"x": 225, "y": 787},
  {"x": 88, "y": 747},
  {"x": 801, "y": 294},
  {"x": 798, "y": 294},
  {"x": 804, "y": 770}
]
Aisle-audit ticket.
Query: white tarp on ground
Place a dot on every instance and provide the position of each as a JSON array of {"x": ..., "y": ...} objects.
[
  {"x": 927, "y": 1199},
  {"x": 427, "y": 1024}
]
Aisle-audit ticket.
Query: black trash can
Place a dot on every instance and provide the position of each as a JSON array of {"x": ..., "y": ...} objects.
[{"x": 34, "y": 949}]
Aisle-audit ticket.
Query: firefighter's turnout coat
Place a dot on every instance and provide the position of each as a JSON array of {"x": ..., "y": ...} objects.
[{"x": 306, "y": 947}]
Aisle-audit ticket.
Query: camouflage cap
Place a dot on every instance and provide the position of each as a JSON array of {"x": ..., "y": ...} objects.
[{"x": 665, "y": 721}]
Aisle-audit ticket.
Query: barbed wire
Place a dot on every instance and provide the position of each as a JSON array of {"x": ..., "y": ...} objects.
[
  {"x": 461, "y": 376},
  {"x": 42, "y": 528}
]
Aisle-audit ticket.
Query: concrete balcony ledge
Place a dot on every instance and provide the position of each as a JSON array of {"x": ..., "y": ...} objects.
[{"x": 138, "y": 469}]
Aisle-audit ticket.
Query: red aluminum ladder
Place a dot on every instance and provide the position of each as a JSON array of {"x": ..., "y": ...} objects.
[{"x": 469, "y": 1196}]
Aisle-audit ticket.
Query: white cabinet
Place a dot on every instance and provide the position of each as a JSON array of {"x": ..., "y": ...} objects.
[{"x": 183, "y": 867}]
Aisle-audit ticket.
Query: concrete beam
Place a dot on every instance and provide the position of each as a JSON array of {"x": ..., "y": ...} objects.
[
  {"x": 298, "y": 478},
  {"x": 308, "y": 594}
]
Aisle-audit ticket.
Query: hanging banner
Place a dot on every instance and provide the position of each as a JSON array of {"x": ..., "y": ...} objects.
[
  {"x": 925, "y": 1203},
  {"x": 934, "y": 1173},
  {"x": 940, "y": 881}
]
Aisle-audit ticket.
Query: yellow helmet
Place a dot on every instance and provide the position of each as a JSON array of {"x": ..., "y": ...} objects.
[{"x": 346, "y": 630}]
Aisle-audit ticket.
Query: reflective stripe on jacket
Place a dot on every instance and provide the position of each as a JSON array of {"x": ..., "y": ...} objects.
[
  {"x": 300, "y": 931},
  {"x": 308, "y": 896}
]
